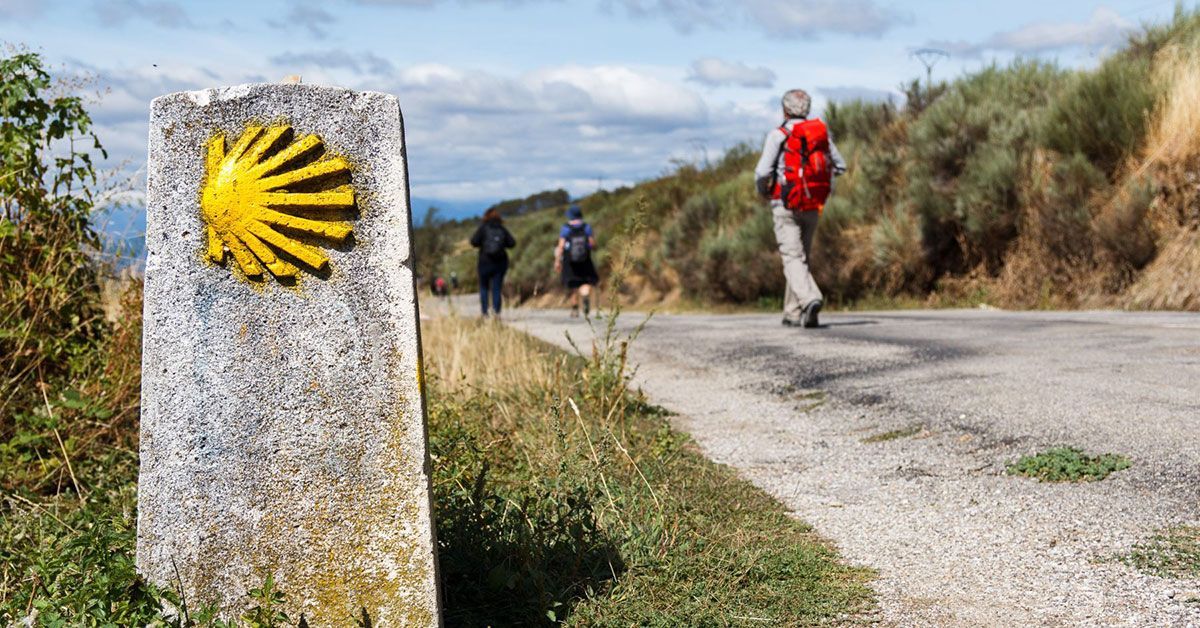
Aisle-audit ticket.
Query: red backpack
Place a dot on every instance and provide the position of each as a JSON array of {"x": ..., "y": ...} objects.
[{"x": 807, "y": 174}]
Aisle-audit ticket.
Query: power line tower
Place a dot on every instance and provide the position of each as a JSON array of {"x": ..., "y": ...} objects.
[{"x": 930, "y": 57}]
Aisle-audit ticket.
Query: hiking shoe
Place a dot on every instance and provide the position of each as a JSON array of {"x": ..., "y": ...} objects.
[
  {"x": 574, "y": 311},
  {"x": 787, "y": 322},
  {"x": 808, "y": 317}
]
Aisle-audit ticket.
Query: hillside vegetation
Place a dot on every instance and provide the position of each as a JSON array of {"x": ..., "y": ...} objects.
[{"x": 1026, "y": 185}]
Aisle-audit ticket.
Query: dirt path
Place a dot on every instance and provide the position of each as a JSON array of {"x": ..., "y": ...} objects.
[{"x": 955, "y": 540}]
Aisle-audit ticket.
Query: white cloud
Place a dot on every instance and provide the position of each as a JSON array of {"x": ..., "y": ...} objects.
[
  {"x": 1104, "y": 28},
  {"x": 430, "y": 3},
  {"x": 784, "y": 18},
  {"x": 778, "y": 18},
  {"x": 619, "y": 95},
  {"x": 21, "y": 9},
  {"x": 158, "y": 12},
  {"x": 480, "y": 135},
  {"x": 361, "y": 63},
  {"x": 717, "y": 72},
  {"x": 843, "y": 93},
  {"x": 307, "y": 15}
]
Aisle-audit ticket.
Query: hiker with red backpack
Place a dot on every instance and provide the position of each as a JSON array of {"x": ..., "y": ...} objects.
[
  {"x": 493, "y": 241},
  {"x": 573, "y": 258},
  {"x": 796, "y": 171}
]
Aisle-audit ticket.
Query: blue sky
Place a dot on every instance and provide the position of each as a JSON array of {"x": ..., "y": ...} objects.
[{"x": 506, "y": 98}]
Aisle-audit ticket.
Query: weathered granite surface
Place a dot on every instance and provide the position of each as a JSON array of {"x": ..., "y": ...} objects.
[{"x": 283, "y": 427}]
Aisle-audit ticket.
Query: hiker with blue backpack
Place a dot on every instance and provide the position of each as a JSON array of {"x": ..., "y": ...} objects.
[
  {"x": 493, "y": 241},
  {"x": 796, "y": 171},
  {"x": 573, "y": 258}
]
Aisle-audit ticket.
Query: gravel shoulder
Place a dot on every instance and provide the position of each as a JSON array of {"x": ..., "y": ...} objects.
[{"x": 955, "y": 540}]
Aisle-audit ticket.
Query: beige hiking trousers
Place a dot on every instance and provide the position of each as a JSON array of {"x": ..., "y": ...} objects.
[{"x": 794, "y": 231}]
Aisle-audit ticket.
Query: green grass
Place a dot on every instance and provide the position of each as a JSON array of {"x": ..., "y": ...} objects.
[
  {"x": 1172, "y": 553},
  {"x": 890, "y": 435},
  {"x": 560, "y": 497},
  {"x": 605, "y": 516},
  {"x": 1068, "y": 464}
]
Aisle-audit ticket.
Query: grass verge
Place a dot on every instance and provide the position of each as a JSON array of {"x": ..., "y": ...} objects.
[
  {"x": 1068, "y": 464},
  {"x": 562, "y": 496}
]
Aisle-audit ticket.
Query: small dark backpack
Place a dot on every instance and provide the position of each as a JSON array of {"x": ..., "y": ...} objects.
[
  {"x": 493, "y": 240},
  {"x": 578, "y": 247}
]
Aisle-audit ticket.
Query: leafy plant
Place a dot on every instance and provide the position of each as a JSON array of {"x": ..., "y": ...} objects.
[
  {"x": 267, "y": 611},
  {"x": 1068, "y": 464},
  {"x": 49, "y": 314}
]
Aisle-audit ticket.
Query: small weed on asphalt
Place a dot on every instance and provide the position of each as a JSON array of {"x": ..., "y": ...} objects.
[
  {"x": 1068, "y": 464},
  {"x": 890, "y": 435},
  {"x": 1172, "y": 553}
]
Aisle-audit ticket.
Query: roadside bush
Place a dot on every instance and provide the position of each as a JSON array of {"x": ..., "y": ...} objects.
[
  {"x": 969, "y": 150},
  {"x": 897, "y": 253},
  {"x": 741, "y": 266},
  {"x": 859, "y": 120},
  {"x": 49, "y": 296},
  {"x": 1103, "y": 115}
]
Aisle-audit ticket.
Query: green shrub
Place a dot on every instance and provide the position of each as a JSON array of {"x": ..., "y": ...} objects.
[
  {"x": 741, "y": 266},
  {"x": 969, "y": 150},
  {"x": 49, "y": 295},
  {"x": 1103, "y": 114},
  {"x": 859, "y": 120}
]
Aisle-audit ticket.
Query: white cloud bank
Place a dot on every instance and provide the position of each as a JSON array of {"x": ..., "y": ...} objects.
[
  {"x": 778, "y": 18},
  {"x": 480, "y": 135},
  {"x": 718, "y": 72},
  {"x": 1103, "y": 29}
]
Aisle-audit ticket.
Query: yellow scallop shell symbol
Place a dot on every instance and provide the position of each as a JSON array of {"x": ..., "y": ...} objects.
[{"x": 250, "y": 202}]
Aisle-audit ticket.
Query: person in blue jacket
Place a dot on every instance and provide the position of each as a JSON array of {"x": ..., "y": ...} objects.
[{"x": 573, "y": 258}]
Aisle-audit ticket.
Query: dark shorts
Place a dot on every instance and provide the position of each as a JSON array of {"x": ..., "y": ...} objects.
[{"x": 575, "y": 274}]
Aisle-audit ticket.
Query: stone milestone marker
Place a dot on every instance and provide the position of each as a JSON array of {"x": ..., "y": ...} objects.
[{"x": 283, "y": 423}]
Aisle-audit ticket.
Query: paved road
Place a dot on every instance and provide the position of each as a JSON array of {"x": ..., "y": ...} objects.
[{"x": 954, "y": 539}]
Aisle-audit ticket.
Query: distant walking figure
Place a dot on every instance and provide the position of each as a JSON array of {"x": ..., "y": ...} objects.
[
  {"x": 492, "y": 239},
  {"x": 573, "y": 258},
  {"x": 796, "y": 171}
]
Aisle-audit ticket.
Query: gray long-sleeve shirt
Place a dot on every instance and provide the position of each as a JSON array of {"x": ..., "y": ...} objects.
[{"x": 772, "y": 155}]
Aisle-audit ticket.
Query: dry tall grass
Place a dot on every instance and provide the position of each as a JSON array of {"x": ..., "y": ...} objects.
[
  {"x": 1174, "y": 140},
  {"x": 487, "y": 356},
  {"x": 1173, "y": 159}
]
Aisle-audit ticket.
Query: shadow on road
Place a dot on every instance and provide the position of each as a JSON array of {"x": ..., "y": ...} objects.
[{"x": 846, "y": 324}]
